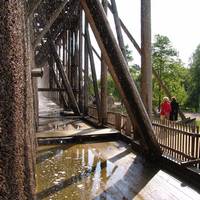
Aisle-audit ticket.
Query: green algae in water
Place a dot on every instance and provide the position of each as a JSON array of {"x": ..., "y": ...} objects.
[{"x": 71, "y": 172}]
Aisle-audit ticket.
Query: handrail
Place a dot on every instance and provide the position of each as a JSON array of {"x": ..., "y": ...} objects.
[{"x": 179, "y": 142}]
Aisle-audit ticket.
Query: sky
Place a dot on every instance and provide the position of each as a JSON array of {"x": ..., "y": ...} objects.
[{"x": 176, "y": 19}]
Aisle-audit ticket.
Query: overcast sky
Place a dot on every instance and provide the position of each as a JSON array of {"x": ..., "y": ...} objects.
[{"x": 177, "y": 19}]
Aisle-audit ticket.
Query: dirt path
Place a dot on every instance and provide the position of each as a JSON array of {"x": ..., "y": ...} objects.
[{"x": 193, "y": 115}]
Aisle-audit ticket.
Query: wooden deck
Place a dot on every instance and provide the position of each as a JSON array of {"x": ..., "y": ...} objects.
[
  {"x": 109, "y": 170},
  {"x": 55, "y": 126},
  {"x": 96, "y": 170},
  {"x": 74, "y": 128}
]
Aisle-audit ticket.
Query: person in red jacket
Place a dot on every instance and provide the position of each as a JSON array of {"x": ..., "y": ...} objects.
[{"x": 165, "y": 108}]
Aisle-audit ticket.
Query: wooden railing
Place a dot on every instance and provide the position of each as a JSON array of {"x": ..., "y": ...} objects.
[
  {"x": 179, "y": 142},
  {"x": 116, "y": 120}
]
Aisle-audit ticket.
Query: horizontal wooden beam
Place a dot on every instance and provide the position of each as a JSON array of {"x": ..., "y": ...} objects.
[
  {"x": 37, "y": 72},
  {"x": 51, "y": 90},
  {"x": 190, "y": 162}
]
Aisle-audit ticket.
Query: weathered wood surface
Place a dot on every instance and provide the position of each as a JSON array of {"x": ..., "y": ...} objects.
[
  {"x": 65, "y": 79},
  {"x": 146, "y": 65},
  {"x": 33, "y": 6},
  {"x": 49, "y": 23},
  {"x": 179, "y": 142},
  {"x": 108, "y": 170},
  {"x": 59, "y": 86},
  {"x": 42, "y": 55},
  {"x": 37, "y": 72},
  {"x": 119, "y": 71},
  {"x": 51, "y": 90},
  {"x": 118, "y": 28},
  {"x": 104, "y": 73},
  {"x": 81, "y": 92},
  {"x": 135, "y": 44},
  {"x": 93, "y": 70}
]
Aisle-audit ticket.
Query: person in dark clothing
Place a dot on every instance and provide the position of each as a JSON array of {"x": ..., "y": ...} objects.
[{"x": 174, "y": 110}]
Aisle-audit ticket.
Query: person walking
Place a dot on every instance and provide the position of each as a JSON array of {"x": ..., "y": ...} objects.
[
  {"x": 165, "y": 109},
  {"x": 174, "y": 109}
]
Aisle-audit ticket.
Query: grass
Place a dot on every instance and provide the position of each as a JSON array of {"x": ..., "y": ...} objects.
[{"x": 198, "y": 123}]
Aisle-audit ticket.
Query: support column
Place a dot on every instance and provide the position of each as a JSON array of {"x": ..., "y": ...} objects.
[
  {"x": 104, "y": 72},
  {"x": 94, "y": 76},
  {"x": 146, "y": 66},
  {"x": 81, "y": 61},
  {"x": 16, "y": 104},
  {"x": 86, "y": 72},
  {"x": 119, "y": 71}
]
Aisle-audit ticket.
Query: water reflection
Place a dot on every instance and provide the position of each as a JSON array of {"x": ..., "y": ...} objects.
[{"x": 71, "y": 172}]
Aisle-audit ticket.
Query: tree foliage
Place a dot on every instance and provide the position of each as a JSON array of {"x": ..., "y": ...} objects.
[
  {"x": 134, "y": 71},
  {"x": 194, "y": 81},
  {"x": 170, "y": 70}
]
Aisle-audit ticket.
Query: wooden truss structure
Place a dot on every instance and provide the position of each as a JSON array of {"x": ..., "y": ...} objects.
[{"x": 62, "y": 45}]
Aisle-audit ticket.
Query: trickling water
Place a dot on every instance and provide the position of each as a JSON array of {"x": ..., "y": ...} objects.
[{"x": 71, "y": 172}]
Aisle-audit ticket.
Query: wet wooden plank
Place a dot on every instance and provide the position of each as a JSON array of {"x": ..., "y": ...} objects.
[{"x": 108, "y": 170}]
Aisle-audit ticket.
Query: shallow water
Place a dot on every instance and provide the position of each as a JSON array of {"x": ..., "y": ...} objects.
[{"x": 71, "y": 172}]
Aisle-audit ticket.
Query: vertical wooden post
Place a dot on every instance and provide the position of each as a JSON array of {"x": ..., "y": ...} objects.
[
  {"x": 72, "y": 59},
  {"x": 58, "y": 84},
  {"x": 51, "y": 62},
  {"x": 119, "y": 71},
  {"x": 65, "y": 79},
  {"x": 118, "y": 28},
  {"x": 64, "y": 50},
  {"x": 94, "y": 76},
  {"x": 146, "y": 66},
  {"x": 86, "y": 72},
  {"x": 80, "y": 61},
  {"x": 104, "y": 72},
  {"x": 128, "y": 126},
  {"x": 60, "y": 54},
  {"x": 118, "y": 121},
  {"x": 69, "y": 54},
  {"x": 76, "y": 63}
]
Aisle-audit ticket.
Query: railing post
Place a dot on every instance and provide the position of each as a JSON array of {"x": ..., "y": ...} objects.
[
  {"x": 128, "y": 126},
  {"x": 118, "y": 121}
]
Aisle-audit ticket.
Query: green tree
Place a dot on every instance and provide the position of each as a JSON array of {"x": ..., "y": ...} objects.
[
  {"x": 194, "y": 86},
  {"x": 170, "y": 70},
  {"x": 134, "y": 71}
]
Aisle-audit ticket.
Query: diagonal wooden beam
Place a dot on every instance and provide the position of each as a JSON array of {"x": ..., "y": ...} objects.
[
  {"x": 135, "y": 44},
  {"x": 94, "y": 76},
  {"x": 51, "y": 62},
  {"x": 43, "y": 52},
  {"x": 120, "y": 74},
  {"x": 33, "y": 6},
  {"x": 118, "y": 28},
  {"x": 65, "y": 79},
  {"x": 49, "y": 24}
]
